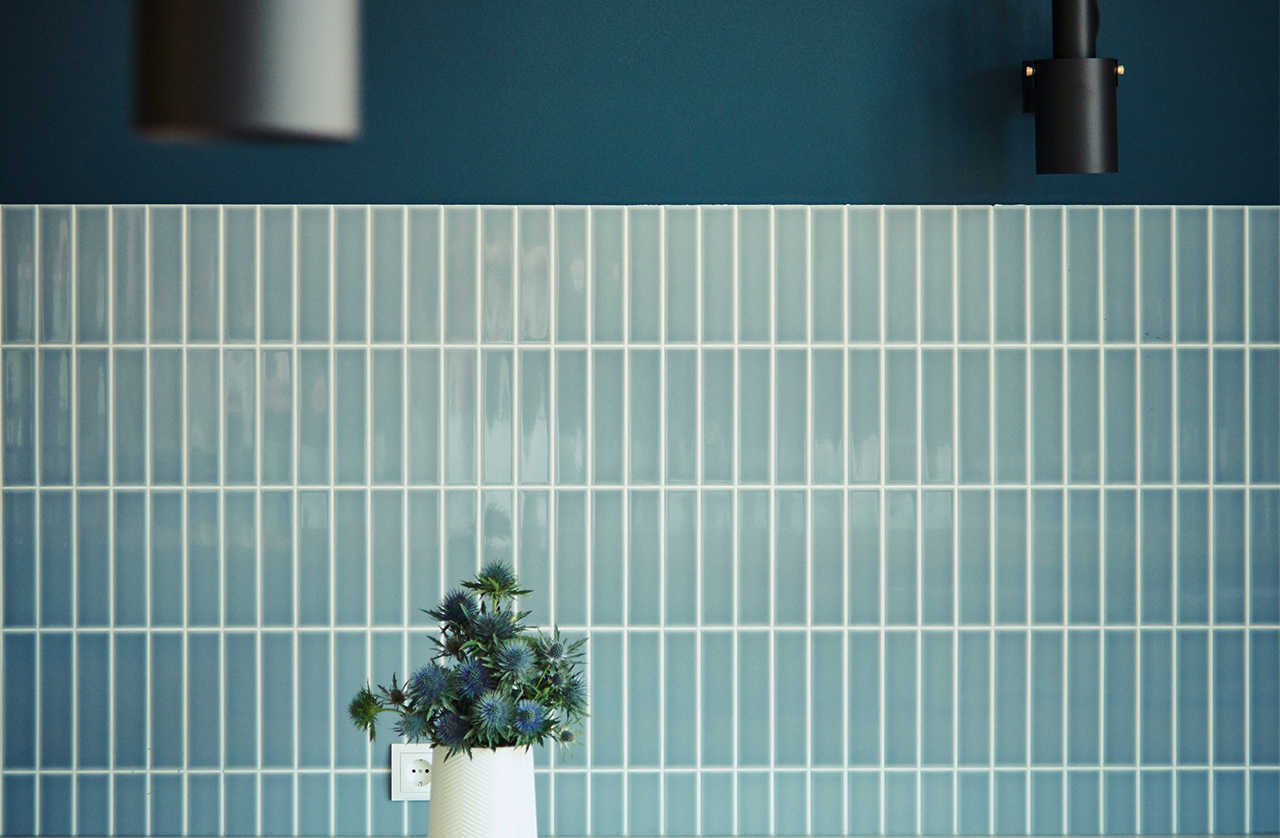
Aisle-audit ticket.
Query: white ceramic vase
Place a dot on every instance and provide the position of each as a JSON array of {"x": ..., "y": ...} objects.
[{"x": 489, "y": 795}]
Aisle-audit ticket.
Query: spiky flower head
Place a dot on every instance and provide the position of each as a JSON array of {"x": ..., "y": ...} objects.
[
  {"x": 364, "y": 709},
  {"x": 412, "y": 724},
  {"x": 515, "y": 660},
  {"x": 457, "y": 609},
  {"x": 553, "y": 650},
  {"x": 493, "y": 712},
  {"x": 496, "y": 625},
  {"x": 567, "y": 737},
  {"x": 451, "y": 730},
  {"x": 473, "y": 679},
  {"x": 573, "y": 695},
  {"x": 428, "y": 685},
  {"x": 496, "y": 581},
  {"x": 530, "y": 716}
]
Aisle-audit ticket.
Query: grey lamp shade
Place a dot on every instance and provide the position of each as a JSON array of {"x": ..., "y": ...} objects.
[{"x": 248, "y": 69}]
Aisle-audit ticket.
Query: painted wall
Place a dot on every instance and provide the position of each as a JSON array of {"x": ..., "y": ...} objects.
[
  {"x": 904, "y": 519},
  {"x": 644, "y": 102}
]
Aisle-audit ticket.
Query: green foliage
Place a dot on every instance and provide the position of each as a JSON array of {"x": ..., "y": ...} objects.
[{"x": 491, "y": 683}]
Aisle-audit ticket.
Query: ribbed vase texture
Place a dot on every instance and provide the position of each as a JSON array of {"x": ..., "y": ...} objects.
[{"x": 489, "y": 795}]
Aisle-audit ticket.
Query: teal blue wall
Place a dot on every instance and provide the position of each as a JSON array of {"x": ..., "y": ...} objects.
[{"x": 669, "y": 101}]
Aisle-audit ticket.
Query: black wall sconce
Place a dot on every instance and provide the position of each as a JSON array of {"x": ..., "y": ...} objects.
[{"x": 1073, "y": 96}]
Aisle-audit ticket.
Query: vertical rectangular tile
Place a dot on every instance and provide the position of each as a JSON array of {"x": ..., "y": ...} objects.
[
  {"x": 277, "y": 416},
  {"x": 571, "y": 557},
  {"x": 240, "y": 409},
  {"x": 1155, "y": 274},
  {"x": 1084, "y": 692},
  {"x": 791, "y": 408},
  {"x": 754, "y": 663},
  {"x": 826, "y": 804},
  {"x": 20, "y": 567},
  {"x": 533, "y": 531},
  {"x": 386, "y": 275},
  {"x": 240, "y": 705},
  {"x": 1229, "y": 415},
  {"x": 166, "y": 415},
  {"x": 680, "y": 263},
  {"x": 864, "y": 802},
  {"x": 240, "y": 273},
  {"x": 973, "y": 698},
  {"x": 900, "y": 274},
  {"x": 718, "y": 443},
  {"x": 1156, "y": 560},
  {"x": 1120, "y": 559},
  {"x": 387, "y": 559},
  {"x": 608, "y": 571},
  {"x": 315, "y": 279},
  {"x": 1010, "y": 291},
  {"x": 1193, "y": 415},
  {"x": 827, "y": 705},
  {"x": 1229, "y": 574},
  {"x": 460, "y": 415},
  {"x": 534, "y": 273},
  {"x": 718, "y": 244},
  {"x": 1193, "y": 562},
  {"x": 753, "y": 569},
  {"x": 973, "y": 790},
  {"x": 1084, "y": 570},
  {"x": 351, "y": 274},
  {"x": 827, "y": 444},
  {"x": 277, "y": 552},
  {"x": 645, "y": 414},
  {"x": 1229, "y": 709},
  {"x": 900, "y": 416},
  {"x": 1264, "y": 543},
  {"x": 497, "y": 291},
  {"x": 461, "y": 273},
  {"x": 535, "y": 416},
  {"x": 54, "y": 687},
  {"x": 204, "y": 559},
  {"x": 1192, "y": 685},
  {"x": 19, "y": 407},
  {"x": 865, "y": 719},
  {"x": 901, "y": 572},
  {"x": 168, "y": 591},
  {"x": 864, "y": 415},
  {"x": 937, "y": 444},
  {"x": 643, "y": 723},
  {"x": 571, "y": 416},
  {"x": 423, "y": 274},
  {"x": 681, "y": 420},
  {"x": 1157, "y": 415},
  {"x": 754, "y": 421},
  {"x": 351, "y": 556},
  {"x": 826, "y": 243},
  {"x": 1011, "y": 415},
  {"x": 644, "y": 274},
  {"x": 1264, "y": 273},
  {"x": 717, "y": 557},
  {"x": 1119, "y": 697},
  {"x": 1047, "y": 696},
  {"x": 1119, "y": 268},
  {"x": 56, "y": 385},
  {"x": 461, "y": 536},
  {"x": 1045, "y": 273},
  {"x": 1264, "y": 698},
  {"x": 608, "y": 264},
  {"x": 973, "y": 518},
  {"x": 1228, "y": 273},
  {"x": 754, "y": 253},
  {"x": 973, "y": 273},
  {"x": 571, "y": 274},
  {"x": 827, "y": 558},
  {"x": 1046, "y": 415},
  {"x": 974, "y": 416},
  {"x": 91, "y": 274},
  {"x": 130, "y": 559},
  {"x": 1120, "y": 414},
  {"x": 900, "y": 688},
  {"x": 864, "y": 557},
  {"x": 1155, "y": 661},
  {"x": 1191, "y": 232},
  {"x": 790, "y": 710},
  {"x": 754, "y": 803},
  {"x": 937, "y": 558},
  {"x": 864, "y": 268},
  {"x": 605, "y": 658},
  {"x": 240, "y": 566},
  {"x": 56, "y": 805},
  {"x": 644, "y": 559},
  {"x": 607, "y": 414},
  {"x": 56, "y": 528},
  {"x": 1082, "y": 279},
  {"x": 129, "y": 720},
  {"x": 1046, "y": 559},
  {"x": 204, "y": 274},
  {"x": 790, "y": 557},
  {"x": 276, "y": 265},
  {"x": 165, "y": 269},
  {"x": 1082, "y": 415},
  {"x": 790, "y": 266},
  {"x": 497, "y": 427},
  {"x": 717, "y": 683},
  {"x": 937, "y": 272},
  {"x": 1264, "y": 407},
  {"x": 681, "y": 552},
  {"x": 129, "y": 274},
  {"x": 937, "y": 698},
  {"x": 92, "y": 721},
  {"x": 315, "y": 388},
  {"x": 204, "y": 685},
  {"x": 423, "y": 439},
  {"x": 129, "y": 421},
  {"x": 1011, "y": 556}
]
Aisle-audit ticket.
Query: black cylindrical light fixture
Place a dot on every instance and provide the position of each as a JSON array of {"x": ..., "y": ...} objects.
[
  {"x": 248, "y": 69},
  {"x": 1073, "y": 96}
]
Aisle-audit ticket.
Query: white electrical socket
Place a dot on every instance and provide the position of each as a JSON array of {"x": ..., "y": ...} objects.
[{"x": 411, "y": 772}]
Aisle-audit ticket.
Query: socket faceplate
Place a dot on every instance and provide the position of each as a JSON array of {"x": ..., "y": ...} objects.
[{"x": 411, "y": 772}]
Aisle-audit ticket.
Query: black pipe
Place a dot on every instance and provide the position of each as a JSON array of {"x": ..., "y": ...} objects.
[{"x": 1075, "y": 28}]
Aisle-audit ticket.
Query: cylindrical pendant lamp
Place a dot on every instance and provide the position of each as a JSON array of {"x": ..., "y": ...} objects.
[{"x": 249, "y": 69}]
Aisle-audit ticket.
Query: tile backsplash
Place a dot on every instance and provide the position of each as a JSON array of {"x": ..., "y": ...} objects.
[{"x": 879, "y": 519}]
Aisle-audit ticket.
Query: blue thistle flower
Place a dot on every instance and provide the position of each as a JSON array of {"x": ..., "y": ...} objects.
[
  {"x": 428, "y": 685},
  {"x": 493, "y": 713},
  {"x": 515, "y": 659},
  {"x": 458, "y": 608},
  {"x": 567, "y": 737},
  {"x": 451, "y": 730},
  {"x": 573, "y": 694},
  {"x": 474, "y": 679},
  {"x": 530, "y": 716},
  {"x": 553, "y": 650},
  {"x": 412, "y": 725},
  {"x": 497, "y": 625}
]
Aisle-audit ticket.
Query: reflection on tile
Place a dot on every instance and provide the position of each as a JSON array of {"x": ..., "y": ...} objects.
[
  {"x": 606, "y": 281},
  {"x": 644, "y": 412},
  {"x": 1264, "y": 273},
  {"x": 91, "y": 251},
  {"x": 864, "y": 267},
  {"x": 900, "y": 274},
  {"x": 497, "y": 273},
  {"x": 791, "y": 399},
  {"x": 644, "y": 274},
  {"x": 1191, "y": 233},
  {"x": 314, "y": 249},
  {"x": 386, "y": 274},
  {"x": 717, "y": 274},
  {"x": 56, "y": 387},
  {"x": 791, "y": 279},
  {"x": 55, "y": 274},
  {"x": 1118, "y": 273},
  {"x": 826, "y": 236},
  {"x": 754, "y": 423},
  {"x": 19, "y": 407},
  {"x": 1082, "y": 277},
  {"x": 718, "y": 442},
  {"x": 936, "y": 273},
  {"x": 276, "y": 264},
  {"x": 1155, "y": 277},
  {"x": 755, "y": 309},
  {"x": 497, "y": 415},
  {"x": 239, "y": 273},
  {"x": 129, "y": 274},
  {"x": 17, "y": 272}
]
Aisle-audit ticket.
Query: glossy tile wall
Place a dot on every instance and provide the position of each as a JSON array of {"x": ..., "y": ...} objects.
[{"x": 879, "y": 519}]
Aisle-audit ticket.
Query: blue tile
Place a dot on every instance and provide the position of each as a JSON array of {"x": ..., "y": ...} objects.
[
  {"x": 604, "y": 659},
  {"x": 1264, "y": 273},
  {"x": 461, "y": 278},
  {"x": 571, "y": 804},
  {"x": 1119, "y": 556},
  {"x": 204, "y": 416},
  {"x": 1082, "y": 415},
  {"x": 1155, "y": 656},
  {"x": 497, "y": 416},
  {"x": 937, "y": 444},
  {"x": 57, "y": 803},
  {"x": 1157, "y": 412},
  {"x": 1010, "y": 710},
  {"x": 1047, "y": 560},
  {"x": 1009, "y": 235},
  {"x": 607, "y": 414},
  {"x": 608, "y": 573},
  {"x": 56, "y": 674},
  {"x": 682, "y": 566},
  {"x": 681, "y": 421},
  {"x": 973, "y": 399},
  {"x": 791, "y": 280},
  {"x": 826, "y": 255},
  {"x": 973, "y": 701},
  {"x": 644, "y": 709},
  {"x": 1010, "y": 566},
  {"x": 534, "y": 552},
  {"x": 1229, "y": 697},
  {"x": 901, "y": 558},
  {"x": 790, "y": 558},
  {"x": 91, "y": 274},
  {"x": 1011, "y": 415},
  {"x": 937, "y": 803},
  {"x": 1191, "y": 232},
  {"x": 1155, "y": 277},
  {"x": 423, "y": 438},
  {"x": 166, "y": 275},
  {"x": 277, "y": 807},
  {"x": 717, "y": 274},
  {"x": 973, "y": 519},
  {"x": 571, "y": 416},
  {"x": 56, "y": 539},
  {"x": 790, "y": 815},
  {"x": 791, "y": 400},
  {"x": 865, "y": 715},
  {"x": 20, "y": 701},
  {"x": 387, "y": 560},
  {"x": 351, "y": 554},
  {"x": 535, "y": 416},
  {"x": 1229, "y": 564},
  {"x": 790, "y": 703},
  {"x": 1083, "y": 690},
  {"x": 129, "y": 275},
  {"x": 827, "y": 705},
  {"x": 1264, "y": 800},
  {"x": 19, "y": 280},
  {"x": 130, "y": 559},
  {"x": 1193, "y": 806},
  {"x": 680, "y": 707},
  {"x": 315, "y": 820},
  {"x": 754, "y": 415},
  {"x": 313, "y": 558},
  {"x": 936, "y": 272},
  {"x": 1047, "y": 697},
  {"x": 937, "y": 558},
  {"x": 753, "y": 569},
  {"x": 1083, "y": 277},
  {"x": 1228, "y": 415},
  {"x": 717, "y": 707},
  {"x": 93, "y": 805},
  {"x": 1083, "y": 561},
  {"x": 497, "y": 260},
  {"x": 864, "y": 557},
  {"x": 644, "y": 274},
  {"x": 351, "y": 273},
  {"x": 900, "y": 370},
  {"x": 424, "y": 554},
  {"x": 56, "y": 441},
  {"x": 900, "y": 689},
  {"x": 239, "y": 272},
  {"x": 1264, "y": 544},
  {"x": 1193, "y": 556},
  {"x": 423, "y": 269},
  {"x": 1047, "y": 415},
  {"x": 351, "y": 668},
  {"x": 92, "y": 721},
  {"x": 864, "y": 416},
  {"x": 826, "y": 804},
  {"x": 19, "y": 405},
  {"x": 314, "y": 294},
  {"x": 240, "y": 562},
  {"x": 351, "y": 389},
  {"x": 315, "y": 715},
  {"x": 204, "y": 715},
  {"x": 901, "y": 793},
  {"x": 240, "y": 804},
  {"x": 644, "y": 558},
  {"x": 129, "y": 418},
  {"x": 1120, "y": 414},
  {"x": 1229, "y": 810},
  {"x": 129, "y": 725},
  {"x": 1119, "y": 802},
  {"x": 386, "y": 432},
  {"x": 828, "y": 421},
  {"x": 864, "y": 269},
  {"x": 643, "y": 804},
  {"x": 1083, "y": 802},
  {"x": 571, "y": 274},
  {"x": 1046, "y": 803},
  {"x": 92, "y": 416},
  {"x": 900, "y": 273},
  {"x": 277, "y": 558},
  {"x": 276, "y": 265},
  {"x": 681, "y": 265},
  {"x": 166, "y": 664},
  {"x": 1192, "y": 685},
  {"x": 571, "y": 557},
  {"x": 864, "y": 803},
  {"x": 755, "y": 240},
  {"x": 1046, "y": 227},
  {"x": 1156, "y": 564},
  {"x": 1193, "y": 415},
  {"x": 279, "y": 696},
  {"x": 973, "y": 268},
  {"x": 1119, "y": 698},
  {"x": 350, "y": 804},
  {"x": 386, "y": 280},
  {"x": 607, "y": 292},
  {"x": 645, "y": 414},
  {"x": 937, "y": 701},
  {"x": 1264, "y": 428},
  {"x": 1228, "y": 271},
  {"x": 827, "y": 558},
  {"x": 1156, "y": 794},
  {"x": 754, "y": 686},
  {"x": 717, "y": 557},
  {"x": 1264, "y": 697},
  {"x": 460, "y": 415},
  {"x": 1118, "y": 272},
  {"x": 973, "y": 793},
  {"x": 754, "y": 803}
]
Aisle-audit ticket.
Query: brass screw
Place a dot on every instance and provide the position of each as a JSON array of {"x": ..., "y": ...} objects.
[
  {"x": 1032, "y": 70},
  {"x": 1119, "y": 69}
]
